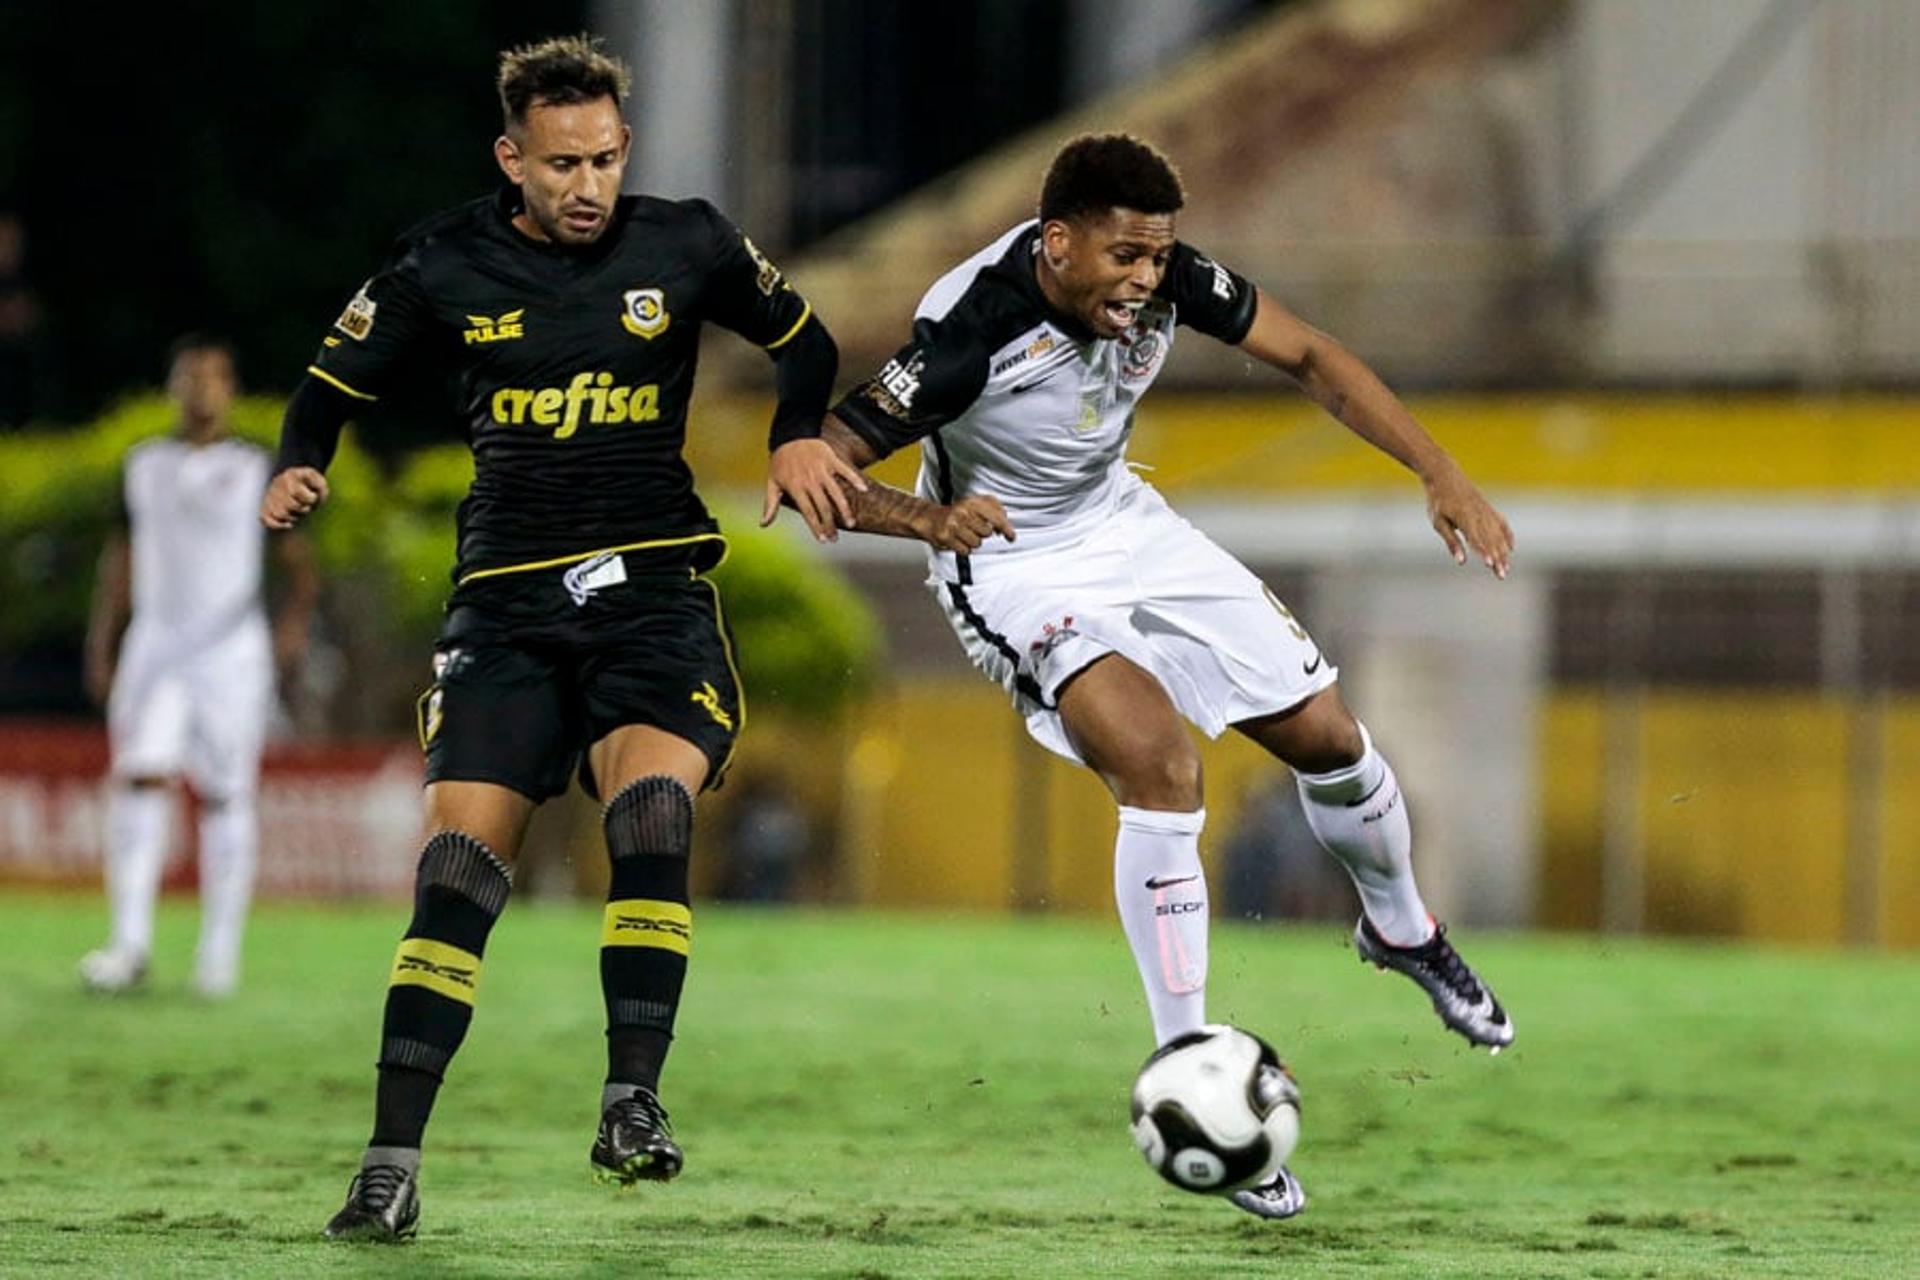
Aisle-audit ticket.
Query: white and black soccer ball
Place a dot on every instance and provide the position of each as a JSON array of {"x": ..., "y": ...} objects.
[{"x": 1216, "y": 1110}]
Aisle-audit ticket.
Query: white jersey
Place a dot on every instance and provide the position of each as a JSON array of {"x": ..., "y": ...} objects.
[
  {"x": 194, "y": 683},
  {"x": 197, "y": 541},
  {"x": 1010, "y": 398}
]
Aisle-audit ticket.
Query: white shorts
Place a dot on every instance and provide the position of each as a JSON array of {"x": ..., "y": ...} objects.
[
  {"x": 201, "y": 713},
  {"x": 1150, "y": 587}
]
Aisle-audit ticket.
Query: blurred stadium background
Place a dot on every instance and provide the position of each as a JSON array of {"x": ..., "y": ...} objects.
[{"x": 1652, "y": 271}]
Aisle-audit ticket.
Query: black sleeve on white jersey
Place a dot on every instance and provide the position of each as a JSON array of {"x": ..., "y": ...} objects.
[
  {"x": 378, "y": 330},
  {"x": 931, "y": 381},
  {"x": 1208, "y": 297}
]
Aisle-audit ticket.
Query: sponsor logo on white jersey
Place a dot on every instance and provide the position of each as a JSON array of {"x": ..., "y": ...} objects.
[
  {"x": 902, "y": 381},
  {"x": 1222, "y": 282}
]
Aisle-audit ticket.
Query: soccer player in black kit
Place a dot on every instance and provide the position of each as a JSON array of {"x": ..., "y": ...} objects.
[{"x": 581, "y": 632}]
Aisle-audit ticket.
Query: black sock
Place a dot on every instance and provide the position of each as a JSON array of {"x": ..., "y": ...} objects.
[
  {"x": 648, "y": 928},
  {"x": 401, "y": 1104},
  {"x": 460, "y": 890}
]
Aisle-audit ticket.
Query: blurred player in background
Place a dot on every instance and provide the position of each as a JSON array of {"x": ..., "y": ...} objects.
[
  {"x": 1111, "y": 619},
  {"x": 189, "y": 687},
  {"x": 581, "y": 623}
]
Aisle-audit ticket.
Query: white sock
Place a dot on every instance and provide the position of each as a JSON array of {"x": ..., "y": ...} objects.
[
  {"x": 1161, "y": 890},
  {"x": 229, "y": 846},
  {"x": 1361, "y": 819},
  {"x": 139, "y": 821}
]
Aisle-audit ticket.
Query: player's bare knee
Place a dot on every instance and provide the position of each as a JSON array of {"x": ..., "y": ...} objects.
[
  {"x": 1319, "y": 735},
  {"x": 494, "y": 816},
  {"x": 1330, "y": 746},
  {"x": 1165, "y": 777}
]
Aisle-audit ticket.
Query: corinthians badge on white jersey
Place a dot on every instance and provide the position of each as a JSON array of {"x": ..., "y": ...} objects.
[{"x": 644, "y": 312}]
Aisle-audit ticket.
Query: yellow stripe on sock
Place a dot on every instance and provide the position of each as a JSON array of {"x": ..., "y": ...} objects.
[
  {"x": 643, "y": 922},
  {"x": 440, "y": 968}
]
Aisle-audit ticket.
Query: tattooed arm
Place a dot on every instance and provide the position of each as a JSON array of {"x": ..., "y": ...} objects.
[{"x": 895, "y": 513}]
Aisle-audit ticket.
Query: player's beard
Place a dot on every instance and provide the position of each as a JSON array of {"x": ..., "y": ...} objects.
[{"x": 553, "y": 222}]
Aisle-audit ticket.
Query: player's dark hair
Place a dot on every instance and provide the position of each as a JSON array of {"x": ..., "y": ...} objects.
[
  {"x": 194, "y": 343},
  {"x": 556, "y": 72},
  {"x": 1098, "y": 172}
]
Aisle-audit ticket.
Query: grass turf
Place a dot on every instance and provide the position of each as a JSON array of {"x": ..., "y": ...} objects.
[{"x": 889, "y": 1096}]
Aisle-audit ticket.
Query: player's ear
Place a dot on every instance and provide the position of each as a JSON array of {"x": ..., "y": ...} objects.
[
  {"x": 507, "y": 153},
  {"x": 1056, "y": 243}
]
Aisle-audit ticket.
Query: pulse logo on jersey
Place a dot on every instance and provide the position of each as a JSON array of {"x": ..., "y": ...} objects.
[
  {"x": 643, "y": 312},
  {"x": 505, "y": 329},
  {"x": 590, "y": 397}
]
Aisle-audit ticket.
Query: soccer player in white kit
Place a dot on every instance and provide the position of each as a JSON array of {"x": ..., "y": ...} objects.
[
  {"x": 1109, "y": 619},
  {"x": 189, "y": 687}
]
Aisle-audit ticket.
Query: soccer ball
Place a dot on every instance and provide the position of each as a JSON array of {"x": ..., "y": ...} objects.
[{"x": 1215, "y": 1110}]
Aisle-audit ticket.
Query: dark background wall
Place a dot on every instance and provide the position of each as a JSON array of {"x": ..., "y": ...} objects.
[
  {"x": 231, "y": 166},
  {"x": 240, "y": 167}
]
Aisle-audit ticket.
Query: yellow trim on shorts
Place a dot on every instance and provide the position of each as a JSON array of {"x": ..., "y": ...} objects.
[
  {"x": 806, "y": 314},
  {"x": 558, "y": 561},
  {"x": 648, "y": 922},
  {"x": 739, "y": 688},
  {"x": 328, "y": 378},
  {"x": 438, "y": 966}
]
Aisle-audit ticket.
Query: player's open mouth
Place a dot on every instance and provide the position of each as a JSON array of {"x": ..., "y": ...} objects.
[
  {"x": 1121, "y": 314},
  {"x": 581, "y": 219}
]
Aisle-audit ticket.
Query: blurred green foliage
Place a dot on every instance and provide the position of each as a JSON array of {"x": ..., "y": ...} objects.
[{"x": 806, "y": 639}]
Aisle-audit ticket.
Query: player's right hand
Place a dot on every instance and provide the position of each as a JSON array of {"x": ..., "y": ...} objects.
[
  {"x": 814, "y": 478},
  {"x": 292, "y": 494},
  {"x": 966, "y": 524}
]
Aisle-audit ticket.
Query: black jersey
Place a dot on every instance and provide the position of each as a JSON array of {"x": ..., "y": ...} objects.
[{"x": 571, "y": 367}]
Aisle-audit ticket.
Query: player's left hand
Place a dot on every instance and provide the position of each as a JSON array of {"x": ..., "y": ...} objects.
[
  {"x": 811, "y": 474},
  {"x": 291, "y": 495},
  {"x": 1466, "y": 521}
]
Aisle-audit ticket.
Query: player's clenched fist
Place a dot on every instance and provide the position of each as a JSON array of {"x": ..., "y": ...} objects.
[
  {"x": 966, "y": 524},
  {"x": 292, "y": 494}
]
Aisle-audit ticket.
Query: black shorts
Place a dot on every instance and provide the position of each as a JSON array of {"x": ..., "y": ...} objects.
[{"x": 529, "y": 672}]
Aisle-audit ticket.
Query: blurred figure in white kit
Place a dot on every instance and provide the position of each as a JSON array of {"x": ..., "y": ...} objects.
[{"x": 189, "y": 687}]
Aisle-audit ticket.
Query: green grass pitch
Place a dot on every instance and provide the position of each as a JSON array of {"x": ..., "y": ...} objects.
[{"x": 867, "y": 1095}]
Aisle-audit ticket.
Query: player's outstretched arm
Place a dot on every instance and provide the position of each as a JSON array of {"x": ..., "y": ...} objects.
[
  {"x": 1343, "y": 385},
  {"x": 802, "y": 471},
  {"x": 309, "y": 434},
  {"x": 883, "y": 509}
]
